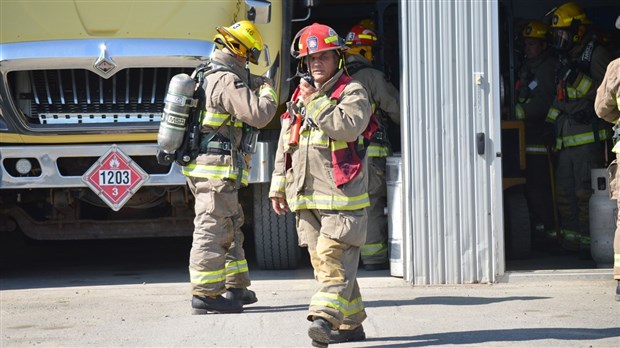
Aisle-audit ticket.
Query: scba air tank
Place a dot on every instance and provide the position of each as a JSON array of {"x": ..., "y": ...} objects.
[
  {"x": 603, "y": 213},
  {"x": 176, "y": 113}
]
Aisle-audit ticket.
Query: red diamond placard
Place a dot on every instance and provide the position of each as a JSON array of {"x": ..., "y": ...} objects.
[{"x": 115, "y": 177}]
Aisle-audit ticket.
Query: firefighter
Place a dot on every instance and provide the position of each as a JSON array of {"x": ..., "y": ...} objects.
[
  {"x": 607, "y": 106},
  {"x": 217, "y": 265},
  {"x": 384, "y": 100},
  {"x": 321, "y": 174},
  {"x": 579, "y": 135},
  {"x": 535, "y": 90}
]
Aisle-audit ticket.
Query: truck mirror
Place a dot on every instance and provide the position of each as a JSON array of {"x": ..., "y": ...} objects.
[{"x": 258, "y": 11}]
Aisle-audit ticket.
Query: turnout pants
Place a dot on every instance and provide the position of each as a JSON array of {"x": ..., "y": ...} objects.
[
  {"x": 614, "y": 191},
  {"x": 217, "y": 260},
  {"x": 334, "y": 239},
  {"x": 375, "y": 250},
  {"x": 538, "y": 190},
  {"x": 573, "y": 192}
]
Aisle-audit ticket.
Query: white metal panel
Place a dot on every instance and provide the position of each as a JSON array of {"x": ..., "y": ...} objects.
[{"x": 453, "y": 229}]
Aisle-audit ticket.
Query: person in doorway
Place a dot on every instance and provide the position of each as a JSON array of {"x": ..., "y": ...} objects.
[
  {"x": 384, "y": 100},
  {"x": 217, "y": 266},
  {"x": 607, "y": 107},
  {"x": 535, "y": 90},
  {"x": 580, "y": 136},
  {"x": 321, "y": 174}
]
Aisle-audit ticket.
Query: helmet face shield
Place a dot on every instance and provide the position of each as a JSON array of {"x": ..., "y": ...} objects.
[{"x": 562, "y": 39}]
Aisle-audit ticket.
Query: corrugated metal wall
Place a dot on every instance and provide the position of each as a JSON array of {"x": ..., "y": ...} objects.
[{"x": 453, "y": 227}]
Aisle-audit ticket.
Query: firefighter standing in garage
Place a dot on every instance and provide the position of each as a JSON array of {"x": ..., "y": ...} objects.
[
  {"x": 607, "y": 106},
  {"x": 535, "y": 90},
  {"x": 320, "y": 175},
  {"x": 579, "y": 134},
  {"x": 217, "y": 265},
  {"x": 384, "y": 98}
]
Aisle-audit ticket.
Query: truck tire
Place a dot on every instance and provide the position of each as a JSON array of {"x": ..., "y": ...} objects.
[
  {"x": 517, "y": 224},
  {"x": 275, "y": 237}
]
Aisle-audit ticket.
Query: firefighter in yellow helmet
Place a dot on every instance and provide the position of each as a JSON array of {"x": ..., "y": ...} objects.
[
  {"x": 580, "y": 136},
  {"x": 217, "y": 265},
  {"x": 607, "y": 106},
  {"x": 384, "y": 98},
  {"x": 321, "y": 174},
  {"x": 535, "y": 90}
]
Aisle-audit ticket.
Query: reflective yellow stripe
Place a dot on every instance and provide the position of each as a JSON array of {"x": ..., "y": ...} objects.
[
  {"x": 583, "y": 138},
  {"x": 267, "y": 90},
  {"x": 278, "y": 184},
  {"x": 213, "y": 119},
  {"x": 331, "y": 202},
  {"x": 237, "y": 267},
  {"x": 325, "y": 299},
  {"x": 317, "y": 105},
  {"x": 616, "y": 260},
  {"x": 374, "y": 249},
  {"x": 552, "y": 115},
  {"x": 213, "y": 172},
  {"x": 314, "y": 137},
  {"x": 330, "y": 39},
  {"x": 338, "y": 145},
  {"x": 519, "y": 112},
  {"x": 206, "y": 277},
  {"x": 583, "y": 86},
  {"x": 369, "y": 37},
  {"x": 378, "y": 151},
  {"x": 570, "y": 235}
]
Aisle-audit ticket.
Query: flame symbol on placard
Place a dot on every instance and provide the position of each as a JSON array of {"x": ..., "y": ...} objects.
[{"x": 115, "y": 163}]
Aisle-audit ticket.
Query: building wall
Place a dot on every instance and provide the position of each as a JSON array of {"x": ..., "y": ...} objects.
[{"x": 452, "y": 202}]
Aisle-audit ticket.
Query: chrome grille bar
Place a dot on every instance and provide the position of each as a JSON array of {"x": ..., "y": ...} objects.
[{"x": 74, "y": 91}]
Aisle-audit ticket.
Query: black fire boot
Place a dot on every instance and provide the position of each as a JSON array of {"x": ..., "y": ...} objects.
[
  {"x": 243, "y": 295},
  {"x": 618, "y": 291},
  {"x": 206, "y": 304},
  {"x": 320, "y": 331},
  {"x": 340, "y": 336}
]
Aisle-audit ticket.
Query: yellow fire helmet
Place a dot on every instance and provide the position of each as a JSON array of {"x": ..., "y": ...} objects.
[
  {"x": 568, "y": 25},
  {"x": 535, "y": 30},
  {"x": 568, "y": 15},
  {"x": 242, "y": 38}
]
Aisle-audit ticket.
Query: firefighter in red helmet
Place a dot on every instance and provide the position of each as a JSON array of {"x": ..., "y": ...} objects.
[
  {"x": 384, "y": 99},
  {"x": 321, "y": 175}
]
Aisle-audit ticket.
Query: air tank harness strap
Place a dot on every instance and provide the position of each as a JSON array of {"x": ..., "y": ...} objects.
[{"x": 214, "y": 147}]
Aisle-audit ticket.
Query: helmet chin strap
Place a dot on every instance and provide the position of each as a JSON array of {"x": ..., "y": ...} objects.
[{"x": 247, "y": 68}]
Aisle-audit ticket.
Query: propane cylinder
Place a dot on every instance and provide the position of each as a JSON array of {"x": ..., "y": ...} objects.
[
  {"x": 176, "y": 113},
  {"x": 603, "y": 213}
]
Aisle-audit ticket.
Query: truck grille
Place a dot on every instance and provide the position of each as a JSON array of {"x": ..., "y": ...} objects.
[{"x": 79, "y": 96}]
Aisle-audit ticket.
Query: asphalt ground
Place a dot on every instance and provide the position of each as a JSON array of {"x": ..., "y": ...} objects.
[{"x": 121, "y": 304}]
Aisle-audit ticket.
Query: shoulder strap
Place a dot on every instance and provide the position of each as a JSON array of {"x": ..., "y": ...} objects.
[
  {"x": 586, "y": 56},
  {"x": 342, "y": 82}
]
